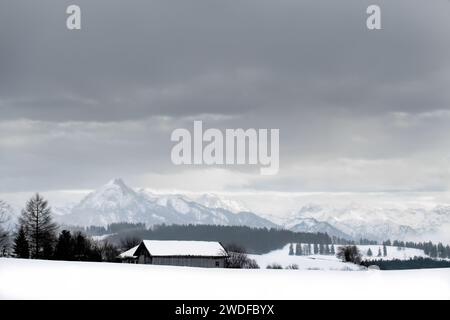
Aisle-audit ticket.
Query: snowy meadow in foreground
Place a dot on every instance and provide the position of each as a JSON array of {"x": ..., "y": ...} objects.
[{"x": 38, "y": 279}]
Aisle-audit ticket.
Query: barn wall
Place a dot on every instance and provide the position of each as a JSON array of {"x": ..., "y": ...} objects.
[{"x": 202, "y": 262}]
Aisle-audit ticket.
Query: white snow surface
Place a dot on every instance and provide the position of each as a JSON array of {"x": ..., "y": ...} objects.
[
  {"x": 88, "y": 280},
  {"x": 184, "y": 248},
  {"x": 392, "y": 252},
  {"x": 330, "y": 262},
  {"x": 102, "y": 237}
]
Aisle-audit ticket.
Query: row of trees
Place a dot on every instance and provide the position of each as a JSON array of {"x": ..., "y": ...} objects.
[
  {"x": 37, "y": 238},
  {"x": 380, "y": 253},
  {"x": 412, "y": 263},
  {"x": 308, "y": 249},
  {"x": 254, "y": 240},
  {"x": 113, "y": 228},
  {"x": 430, "y": 249}
]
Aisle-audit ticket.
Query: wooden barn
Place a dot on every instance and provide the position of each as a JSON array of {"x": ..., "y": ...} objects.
[{"x": 205, "y": 254}]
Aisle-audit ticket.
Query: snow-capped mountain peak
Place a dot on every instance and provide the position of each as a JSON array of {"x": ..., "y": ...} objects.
[
  {"x": 113, "y": 195},
  {"x": 116, "y": 202},
  {"x": 377, "y": 222},
  {"x": 215, "y": 201}
]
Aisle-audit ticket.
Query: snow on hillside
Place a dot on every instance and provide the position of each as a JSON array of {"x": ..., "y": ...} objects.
[
  {"x": 88, "y": 280},
  {"x": 313, "y": 262},
  {"x": 330, "y": 262},
  {"x": 392, "y": 253}
]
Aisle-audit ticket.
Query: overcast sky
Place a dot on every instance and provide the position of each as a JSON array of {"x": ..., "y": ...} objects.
[{"x": 357, "y": 110}]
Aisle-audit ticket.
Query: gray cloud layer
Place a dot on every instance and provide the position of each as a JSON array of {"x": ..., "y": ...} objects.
[{"x": 357, "y": 110}]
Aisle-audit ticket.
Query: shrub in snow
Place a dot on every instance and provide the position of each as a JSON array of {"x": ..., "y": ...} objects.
[
  {"x": 349, "y": 254},
  {"x": 373, "y": 267},
  {"x": 274, "y": 266},
  {"x": 251, "y": 264},
  {"x": 292, "y": 267},
  {"x": 346, "y": 269},
  {"x": 238, "y": 259}
]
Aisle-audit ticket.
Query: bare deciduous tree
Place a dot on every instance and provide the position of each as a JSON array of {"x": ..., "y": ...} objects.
[
  {"x": 129, "y": 242},
  {"x": 4, "y": 234},
  {"x": 108, "y": 251},
  {"x": 238, "y": 259}
]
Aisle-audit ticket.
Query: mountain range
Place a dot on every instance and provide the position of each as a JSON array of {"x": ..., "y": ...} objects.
[
  {"x": 372, "y": 222},
  {"x": 117, "y": 202}
]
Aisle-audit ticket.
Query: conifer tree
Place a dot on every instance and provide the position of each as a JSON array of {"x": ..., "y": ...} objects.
[
  {"x": 384, "y": 250},
  {"x": 316, "y": 248},
  {"x": 333, "y": 250},
  {"x": 21, "y": 248},
  {"x": 291, "y": 249},
  {"x": 379, "y": 252},
  {"x": 305, "y": 250},
  {"x": 321, "y": 249},
  {"x": 369, "y": 253},
  {"x": 441, "y": 251},
  {"x": 64, "y": 249},
  {"x": 298, "y": 250},
  {"x": 36, "y": 220},
  {"x": 433, "y": 251}
]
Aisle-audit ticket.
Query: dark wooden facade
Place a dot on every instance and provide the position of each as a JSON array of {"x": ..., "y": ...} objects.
[{"x": 144, "y": 257}]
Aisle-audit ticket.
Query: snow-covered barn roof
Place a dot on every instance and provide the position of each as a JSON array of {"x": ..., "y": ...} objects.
[
  {"x": 179, "y": 248},
  {"x": 129, "y": 253},
  {"x": 184, "y": 248}
]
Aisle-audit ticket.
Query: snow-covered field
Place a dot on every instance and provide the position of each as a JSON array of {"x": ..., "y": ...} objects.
[
  {"x": 392, "y": 253},
  {"x": 312, "y": 262},
  {"x": 37, "y": 279},
  {"x": 329, "y": 262}
]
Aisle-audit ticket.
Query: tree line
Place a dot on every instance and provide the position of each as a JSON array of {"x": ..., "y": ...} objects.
[
  {"x": 307, "y": 249},
  {"x": 37, "y": 237},
  {"x": 430, "y": 249},
  {"x": 412, "y": 263},
  {"x": 253, "y": 240},
  {"x": 119, "y": 227}
]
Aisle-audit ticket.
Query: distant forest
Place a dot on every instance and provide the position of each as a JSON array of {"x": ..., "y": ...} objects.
[
  {"x": 414, "y": 263},
  {"x": 254, "y": 240},
  {"x": 429, "y": 248}
]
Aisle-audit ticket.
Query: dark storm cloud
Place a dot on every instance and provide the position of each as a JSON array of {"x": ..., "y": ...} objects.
[{"x": 102, "y": 101}]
